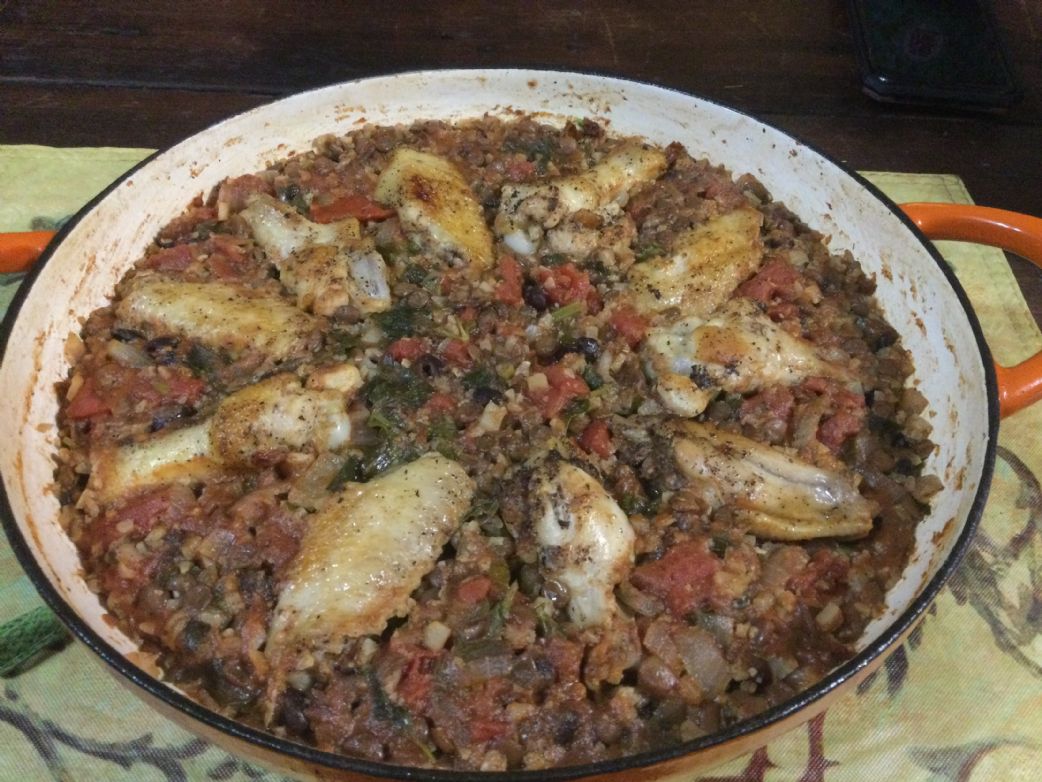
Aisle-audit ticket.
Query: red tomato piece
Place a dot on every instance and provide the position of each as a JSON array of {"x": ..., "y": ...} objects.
[
  {"x": 474, "y": 589},
  {"x": 407, "y": 348},
  {"x": 520, "y": 170},
  {"x": 87, "y": 402},
  {"x": 682, "y": 577},
  {"x": 565, "y": 386},
  {"x": 629, "y": 324},
  {"x": 596, "y": 438},
  {"x": 171, "y": 259},
  {"x": 774, "y": 402},
  {"x": 835, "y": 430},
  {"x": 566, "y": 657},
  {"x": 509, "y": 289},
  {"x": 358, "y": 206},
  {"x": 227, "y": 258},
  {"x": 457, "y": 352},
  {"x": 440, "y": 403},
  {"x": 777, "y": 276},
  {"x": 820, "y": 578},
  {"x": 176, "y": 387},
  {"x": 566, "y": 283},
  {"x": 417, "y": 679},
  {"x": 487, "y": 729}
]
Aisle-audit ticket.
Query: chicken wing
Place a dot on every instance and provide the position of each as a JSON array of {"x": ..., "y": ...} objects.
[{"x": 777, "y": 495}]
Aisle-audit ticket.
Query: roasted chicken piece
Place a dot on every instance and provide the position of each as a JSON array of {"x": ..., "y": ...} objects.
[
  {"x": 433, "y": 199},
  {"x": 326, "y": 266},
  {"x": 527, "y": 210},
  {"x": 706, "y": 265},
  {"x": 274, "y": 415},
  {"x": 365, "y": 552},
  {"x": 219, "y": 315},
  {"x": 778, "y": 496},
  {"x": 586, "y": 541},
  {"x": 737, "y": 349}
]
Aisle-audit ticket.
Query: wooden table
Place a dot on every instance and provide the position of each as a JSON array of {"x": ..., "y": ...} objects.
[{"x": 150, "y": 74}]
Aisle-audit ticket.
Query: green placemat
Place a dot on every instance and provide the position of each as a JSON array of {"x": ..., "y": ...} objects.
[{"x": 961, "y": 700}]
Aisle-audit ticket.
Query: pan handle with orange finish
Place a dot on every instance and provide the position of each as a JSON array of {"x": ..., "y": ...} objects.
[
  {"x": 1020, "y": 385},
  {"x": 19, "y": 250}
]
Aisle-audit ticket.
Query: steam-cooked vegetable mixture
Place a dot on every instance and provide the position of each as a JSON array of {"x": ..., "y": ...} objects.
[{"x": 492, "y": 446}]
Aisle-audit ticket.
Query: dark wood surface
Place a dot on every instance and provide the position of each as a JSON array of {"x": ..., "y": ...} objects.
[{"x": 148, "y": 74}]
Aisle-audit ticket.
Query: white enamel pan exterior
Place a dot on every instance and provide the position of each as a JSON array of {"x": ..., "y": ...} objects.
[{"x": 918, "y": 294}]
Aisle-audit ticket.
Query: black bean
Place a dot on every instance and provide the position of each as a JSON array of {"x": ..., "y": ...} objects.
[
  {"x": 230, "y": 683},
  {"x": 161, "y": 343},
  {"x": 194, "y": 634},
  {"x": 429, "y": 365},
  {"x": 535, "y": 296},
  {"x": 588, "y": 347},
  {"x": 293, "y": 707},
  {"x": 485, "y": 394},
  {"x": 167, "y": 414},
  {"x": 126, "y": 335},
  {"x": 567, "y": 727}
]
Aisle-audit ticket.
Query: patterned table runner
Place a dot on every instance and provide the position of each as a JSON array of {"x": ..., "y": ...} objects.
[{"x": 961, "y": 700}]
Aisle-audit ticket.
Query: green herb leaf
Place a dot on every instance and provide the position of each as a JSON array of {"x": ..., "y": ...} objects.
[
  {"x": 481, "y": 377},
  {"x": 593, "y": 380},
  {"x": 647, "y": 251},
  {"x": 568, "y": 311},
  {"x": 480, "y": 508},
  {"x": 349, "y": 472},
  {"x": 403, "y": 321},
  {"x": 442, "y": 435},
  {"x": 501, "y": 612}
]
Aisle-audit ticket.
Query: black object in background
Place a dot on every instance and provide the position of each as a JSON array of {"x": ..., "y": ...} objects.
[{"x": 934, "y": 52}]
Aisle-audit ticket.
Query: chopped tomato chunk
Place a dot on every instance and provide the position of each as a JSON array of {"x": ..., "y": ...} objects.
[
  {"x": 520, "y": 170},
  {"x": 171, "y": 259},
  {"x": 826, "y": 572},
  {"x": 566, "y": 657},
  {"x": 87, "y": 402},
  {"x": 835, "y": 430},
  {"x": 682, "y": 577},
  {"x": 417, "y": 679},
  {"x": 177, "y": 386},
  {"x": 596, "y": 438},
  {"x": 564, "y": 386},
  {"x": 407, "y": 348},
  {"x": 358, "y": 206},
  {"x": 566, "y": 283},
  {"x": 474, "y": 589},
  {"x": 457, "y": 352},
  {"x": 227, "y": 257},
  {"x": 440, "y": 403},
  {"x": 509, "y": 289},
  {"x": 777, "y": 276},
  {"x": 629, "y": 324}
]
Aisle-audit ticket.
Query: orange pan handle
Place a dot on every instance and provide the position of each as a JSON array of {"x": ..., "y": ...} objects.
[
  {"x": 19, "y": 250},
  {"x": 1021, "y": 385}
]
